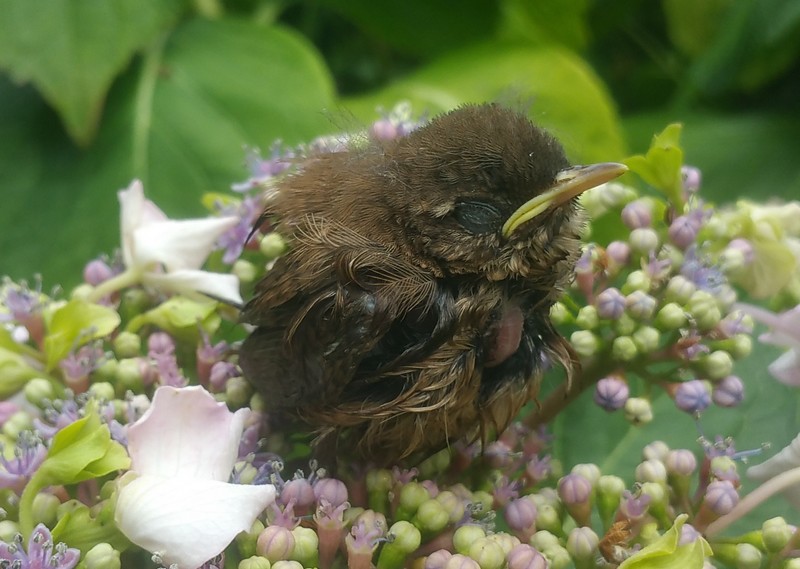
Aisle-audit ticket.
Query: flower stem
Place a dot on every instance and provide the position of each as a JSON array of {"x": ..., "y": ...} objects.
[{"x": 117, "y": 282}]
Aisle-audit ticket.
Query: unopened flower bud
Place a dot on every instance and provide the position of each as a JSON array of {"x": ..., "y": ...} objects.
[
  {"x": 412, "y": 495},
  {"x": 275, "y": 543},
  {"x": 728, "y": 392},
  {"x": 453, "y": 505},
  {"x": 741, "y": 346},
  {"x": 651, "y": 470},
  {"x": 680, "y": 289},
  {"x": 587, "y": 317},
  {"x": 287, "y": 564},
  {"x": 465, "y": 535},
  {"x": 45, "y": 508},
  {"x": 637, "y": 213},
  {"x": 127, "y": 345},
  {"x": 717, "y": 365},
  {"x": 625, "y": 325},
  {"x": 431, "y": 517},
  {"x": 683, "y": 231},
  {"x": 704, "y": 310},
  {"x": 615, "y": 195},
  {"x": 238, "y": 391},
  {"x": 681, "y": 462},
  {"x": 575, "y": 492},
  {"x": 244, "y": 270},
  {"x": 693, "y": 396},
  {"x": 38, "y": 389},
  {"x": 96, "y": 272},
  {"x": 404, "y": 538},
  {"x": 638, "y": 411},
  {"x": 610, "y": 304},
  {"x": 547, "y": 518},
  {"x": 102, "y": 556},
  {"x": 544, "y": 540},
  {"x": 691, "y": 178},
  {"x": 644, "y": 240},
  {"x": 611, "y": 393},
  {"x": 437, "y": 559},
  {"x": 721, "y": 497},
  {"x": 748, "y": 556},
  {"x": 559, "y": 557},
  {"x": 776, "y": 534},
  {"x": 646, "y": 339},
  {"x": 656, "y": 450},
  {"x": 582, "y": 544},
  {"x": 520, "y": 515},
  {"x": 640, "y": 305},
  {"x": 487, "y": 553},
  {"x": 330, "y": 489},
  {"x": 623, "y": 349},
  {"x": 254, "y": 562},
  {"x": 102, "y": 391},
  {"x": 584, "y": 342},
  {"x": 589, "y": 471},
  {"x": 671, "y": 317},
  {"x": 559, "y": 314},
  {"x": 459, "y": 561},
  {"x": 619, "y": 252},
  {"x": 525, "y": 556},
  {"x": 272, "y": 245},
  {"x": 299, "y": 492},
  {"x": 637, "y": 280},
  {"x": 129, "y": 375}
]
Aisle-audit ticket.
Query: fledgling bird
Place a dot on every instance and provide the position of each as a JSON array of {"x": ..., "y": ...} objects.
[{"x": 412, "y": 308}]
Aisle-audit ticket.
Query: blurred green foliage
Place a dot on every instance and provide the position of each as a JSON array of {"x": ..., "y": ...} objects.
[{"x": 94, "y": 94}]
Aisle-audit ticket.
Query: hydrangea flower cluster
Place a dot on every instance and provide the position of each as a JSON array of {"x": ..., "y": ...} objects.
[{"x": 130, "y": 438}]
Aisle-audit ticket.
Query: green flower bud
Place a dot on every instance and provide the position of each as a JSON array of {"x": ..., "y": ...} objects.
[
  {"x": 643, "y": 240},
  {"x": 559, "y": 557},
  {"x": 776, "y": 533},
  {"x": 45, "y": 509},
  {"x": 102, "y": 556},
  {"x": 625, "y": 325},
  {"x": 405, "y": 540},
  {"x": 484, "y": 499},
  {"x": 656, "y": 450},
  {"x": 638, "y": 411},
  {"x": 412, "y": 495},
  {"x": 741, "y": 346},
  {"x": 636, "y": 280},
  {"x": 717, "y": 365},
  {"x": 679, "y": 289},
  {"x": 102, "y": 391},
  {"x": 107, "y": 371},
  {"x": 127, "y": 345},
  {"x": 587, "y": 317},
  {"x": 285, "y": 564},
  {"x": 39, "y": 389},
  {"x": 431, "y": 517},
  {"x": 254, "y": 562},
  {"x": 129, "y": 376},
  {"x": 244, "y": 270},
  {"x": 237, "y": 391},
  {"x": 459, "y": 561},
  {"x": 506, "y": 541},
  {"x": 82, "y": 291},
  {"x": 671, "y": 317},
  {"x": 306, "y": 546},
  {"x": 582, "y": 543},
  {"x": 487, "y": 553},
  {"x": 452, "y": 504},
  {"x": 608, "y": 491},
  {"x": 272, "y": 245},
  {"x": 465, "y": 536},
  {"x": 8, "y": 530},
  {"x": 702, "y": 306},
  {"x": 547, "y": 518},
  {"x": 559, "y": 314},
  {"x": 791, "y": 563},
  {"x": 584, "y": 342},
  {"x": 623, "y": 349},
  {"x": 544, "y": 540},
  {"x": 747, "y": 556},
  {"x": 651, "y": 470},
  {"x": 614, "y": 195},
  {"x": 246, "y": 540},
  {"x": 16, "y": 423},
  {"x": 257, "y": 402},
  {"x": 646, "y": 339}
]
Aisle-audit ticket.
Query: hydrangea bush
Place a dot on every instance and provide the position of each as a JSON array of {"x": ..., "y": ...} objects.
[{"x": 130, "y": 438}]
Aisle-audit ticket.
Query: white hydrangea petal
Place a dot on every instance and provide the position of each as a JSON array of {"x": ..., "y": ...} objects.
[
  {"x": 135, "y": 211},
  {"x": 186, "y": 433},
  {"x": 194, "y": 283},
  {"x": 787, "y": 368},
  {"x": 178, "y": 244},
  {"x": 787, "y": 459},
  {"x": 187, "y": 521}
]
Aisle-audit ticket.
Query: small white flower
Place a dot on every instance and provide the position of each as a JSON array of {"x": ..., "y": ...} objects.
[
  {"x": 167, "y": 254},
  {"x": 176, "y": 500}
]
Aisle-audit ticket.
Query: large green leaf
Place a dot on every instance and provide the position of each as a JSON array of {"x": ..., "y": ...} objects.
[
  {"x": 178, "y": 120},
  {"x": 71, "y": 51},
  {"x": 566, "y": 96}
]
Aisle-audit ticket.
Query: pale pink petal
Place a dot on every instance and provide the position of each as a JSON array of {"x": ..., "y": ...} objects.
[
  {"x": 787, "y": 459},
  {"x": 185, "y": 520},
  {"x": 787, "y": 368},
  {"x": 786, "y": 324},
  {"x": 186, "y": 433},
  {"x": 197, "y": 283},
  {"x": 177, "y": 245},
  {"x": 135, "y": 211}
]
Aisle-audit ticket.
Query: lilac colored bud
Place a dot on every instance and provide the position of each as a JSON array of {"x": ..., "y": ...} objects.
[
  {"x": 691, "y": 178},
  {"x": 637, "y": 214},
  {"x": 693, "y": 396},
  {"x": 520, "y": 514},
  {"x": 683, "y": 231},
  {"x": 688, "y": 534},
  {"x": 330, "y": 489},
  {"x": 651, "y": 470},
  {"x": 721, "y": 497},
  {"x": 438, "y": 559},
  {"x": 275, "y": 543},
  {"x": 634, "y": 507},
  {"x": 96, "y": 272},
  {"x": 220, "y": 373},
  {"x": 619, "y": 252},
  {"x": 160, "y": 343},
  {"x": 657, "y": 450},
  {"x": 644, "y": 240},
  {"x": 574, "y": 489},
  {"x": 728, "y": 392},
  {"x": 681, "y": 462},
  {"x": 582, "y": 543},
  {"x": 384, "y": 129},
  {"x": 524, "y": 556},
  {"x": 610, "y": 304},
  {"x": 458, "y": 561},
  {"x": 611, "y": 393},
  {"x": 299, "y": 492},
  {"x": 589, "y": 471}
]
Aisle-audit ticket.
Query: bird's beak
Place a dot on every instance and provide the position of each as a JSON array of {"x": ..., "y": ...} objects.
[{"x": 570, "y": 183}]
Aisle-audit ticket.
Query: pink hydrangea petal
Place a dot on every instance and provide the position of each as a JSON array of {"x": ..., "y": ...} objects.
[
  {"x": 787, "y": 368},
  {"x": 186, "y": 433},
  {"x": 185, "y": 520}
]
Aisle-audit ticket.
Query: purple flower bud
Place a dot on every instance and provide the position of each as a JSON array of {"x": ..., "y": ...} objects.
[
  {"x": 681, "y": 462},
  {"x": 574, "y": 489},
  {"x": 610, "y": 303},
  {"x": 691, "y": 178},
  {"x": 458, "y": 561},
  {"x": 220, "y": 373},
  {"x": 633, "y": 507},
  {"x": 275, "y": 543},
  {"x": 524, "y": 556},
  {"x": 692, "y": 396},
  {"x": 640, "y": 305},
  {"x": 721, "y": 497},
  {"x": 537, "y": 469},
  {"x": 330, "y": 489},
  {"x": 688, "y": 534},
  {"x": 619, "y": 252},
  {"x": 160, "y": 343},
  {"x": 611, "y": 393},
  {"x": 637, "y": 214},
  {"x": 582, "y": 543},
  {"x": 298, "y": 492},
  {"x": 520, "y": 515},
  {"x": 438, "y": 559},
  {"x": 728, "y": 392},
  {"x": 97, "y": 271},
  {"x": 683, "y": 231}
]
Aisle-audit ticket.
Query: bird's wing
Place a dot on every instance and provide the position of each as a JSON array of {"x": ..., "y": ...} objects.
[{"x": 338, "y": 307}]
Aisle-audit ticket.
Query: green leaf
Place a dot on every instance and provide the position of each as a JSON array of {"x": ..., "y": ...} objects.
[
  {"x": 665, "y": 553},
  {"x": 74, "y": 324},
  {"x": 691, "y": 25},
  {"x": 180, "y": 317},
  {"x": 71, "y": 51},
  {"x": 14, "y": 372},
  {"x": 661, "y": 166},
  {"x": 80, "y": 451},
  {"x": 83, "y": 528},
  {"x": 566, "y": 96},
  {"x": 546, "y": 21}
]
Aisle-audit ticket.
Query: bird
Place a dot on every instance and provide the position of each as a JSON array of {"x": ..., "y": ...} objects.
[{"x": 412, "y": 307}]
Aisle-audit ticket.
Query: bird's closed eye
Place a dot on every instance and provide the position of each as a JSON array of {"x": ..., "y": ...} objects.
[{"x": 478, "y": 216}]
